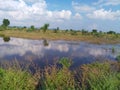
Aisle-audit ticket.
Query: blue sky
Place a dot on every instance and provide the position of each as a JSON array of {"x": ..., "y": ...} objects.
[{"x": 103, "y": 15}]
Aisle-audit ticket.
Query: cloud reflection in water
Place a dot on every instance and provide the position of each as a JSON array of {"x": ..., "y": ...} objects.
[{"x": 35, "y": 49}]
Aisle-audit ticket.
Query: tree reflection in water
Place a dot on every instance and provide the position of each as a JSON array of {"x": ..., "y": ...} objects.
[
  {"x": 6, "y": 39},
  {"x": 45, "y": 42}
]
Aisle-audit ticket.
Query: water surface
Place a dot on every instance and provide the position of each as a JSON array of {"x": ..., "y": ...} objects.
[{"x": 45, "y": 52}]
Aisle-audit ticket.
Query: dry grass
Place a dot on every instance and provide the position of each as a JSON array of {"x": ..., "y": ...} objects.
[{"x": 61, "y": 35}]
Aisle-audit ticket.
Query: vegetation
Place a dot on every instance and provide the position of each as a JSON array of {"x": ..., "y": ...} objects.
[
  {"x": 45, "y": 43},
  {"x": 63, "y": 35},
  {"x": 95, "y": 76},
  {"x": 45, "y": 27},
  {"x": 32, "y": 28},
  {"x": 118, "y": 58},
  {"x": 6, "y": 39},
  {"x": 12, "y": 79},
  {"x": 111, "y": 32},
  {"x": 94, "y": 36},
  {"x": 100, "y": 76},
  {"x": 57, "y": 79},
  {"x": 6, "y": 22}
]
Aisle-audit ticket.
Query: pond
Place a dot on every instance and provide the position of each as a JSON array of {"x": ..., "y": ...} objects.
[{"x": 44, "y": 52}]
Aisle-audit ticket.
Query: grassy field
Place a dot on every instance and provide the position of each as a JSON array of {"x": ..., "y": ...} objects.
[{"x": 62, "y": 35}]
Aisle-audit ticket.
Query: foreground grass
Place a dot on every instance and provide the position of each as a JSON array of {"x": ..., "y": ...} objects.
[
  {"x": 12, "y": 79},
  {"x": 95, "y": 76},
  {"x": 100, "y": 76},
  {"x": 61, "y": 35}
]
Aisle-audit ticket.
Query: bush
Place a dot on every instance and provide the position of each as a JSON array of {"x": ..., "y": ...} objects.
[
  {"x": 55, "y": 31},
  {"x": 73, "y": 32},
  {"x": 84, "y": 32}
]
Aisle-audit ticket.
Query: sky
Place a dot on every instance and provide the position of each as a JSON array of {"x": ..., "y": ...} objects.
[{"x": 103, "y": 15}]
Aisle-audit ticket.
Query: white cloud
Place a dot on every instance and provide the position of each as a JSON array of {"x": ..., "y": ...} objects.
[
  {"x": 104, "y": 14},
  {"x": 19, "y": 10},
  {"x": 82, "y": 7},
  {"x": 62, "y": 14},
  {"x": 17, "y": 46},
  {"x": 112, "y": 2},
  {"x": 37, "y": 12},
  {"x": 92, "y": 26},
  {"x": 78, "y": 16},
  {"x": 32, "y": 1},
  {"x": 107, "y": 2}
]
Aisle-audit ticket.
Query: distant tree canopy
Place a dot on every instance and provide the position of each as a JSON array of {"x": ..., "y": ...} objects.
[
  {"x": 111, "y": 32},
  {"x": 6, "y": 22},
  {"x": 94, "y": 31}
]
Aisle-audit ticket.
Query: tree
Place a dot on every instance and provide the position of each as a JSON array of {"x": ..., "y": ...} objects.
[
  {"x": 84, "y": 32},
  {"x": 32, "y": 27},
  {"x": 6, "y": 22},
  {"x": 111, "y": 32},
  {"x": 57, "y": 28},
  {"x": 45, "y": 27},
  {"x": 94, "y": 31}
]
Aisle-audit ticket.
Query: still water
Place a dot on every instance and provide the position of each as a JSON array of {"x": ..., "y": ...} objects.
[{"x": 45, "y": 52}]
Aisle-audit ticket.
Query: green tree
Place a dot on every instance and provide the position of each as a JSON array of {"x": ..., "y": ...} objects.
[
  {"x": 32, "y": 27},
  {"x": 45, "y": 27},
  {"x": 84, "y": 32},
  {"x": 6, "y": 22},
  {"x": 94, "y": 31},
  {"x": 111, "y": 32},
  {"x": 57, "y": 28}
]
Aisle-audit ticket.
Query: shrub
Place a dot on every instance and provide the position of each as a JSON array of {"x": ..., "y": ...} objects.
[
  {"x": 73, "y": 32},
  {"x": 84, "y": 32},
  {"x": 55, "y": 31}
]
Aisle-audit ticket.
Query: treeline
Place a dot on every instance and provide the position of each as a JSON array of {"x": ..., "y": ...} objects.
[{"x": 45, "y": 28}]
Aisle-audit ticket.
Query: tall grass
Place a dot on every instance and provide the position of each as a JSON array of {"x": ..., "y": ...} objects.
[
  {"x": 118, "y": 58},
  {"x": 16, "y": 80},
  {"x": 95, "y": 76},
  {"x": 57, "y": 78},
  {"x": 99, "y": 76}
]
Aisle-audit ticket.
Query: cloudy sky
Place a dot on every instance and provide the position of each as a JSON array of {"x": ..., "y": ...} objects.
[{"x": 76, "y": 14}]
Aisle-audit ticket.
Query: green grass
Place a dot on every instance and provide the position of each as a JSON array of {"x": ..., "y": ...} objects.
[
  {"x": 118, "y": 58},
  {"x": 12, "y": 79},
  {"x": 57, "y": 79},
  {"x": 100, "y": 76},
  {"x": 95, "y": 76}
]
